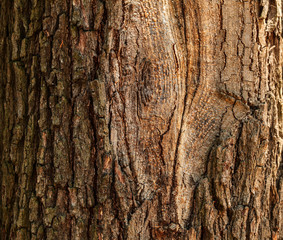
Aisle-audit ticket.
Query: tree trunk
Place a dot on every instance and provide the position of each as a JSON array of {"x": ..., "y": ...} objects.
[{"x": 127, "y": 119}]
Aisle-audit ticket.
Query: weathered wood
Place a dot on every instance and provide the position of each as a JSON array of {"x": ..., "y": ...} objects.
[{"x": 141, "y": 119}]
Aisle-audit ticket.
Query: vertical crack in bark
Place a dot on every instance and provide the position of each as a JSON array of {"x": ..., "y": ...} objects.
[
  {"x": 72, "y": 99},
  {"x": 174, "y": 183},
  {"x": 186, "y": 107}
]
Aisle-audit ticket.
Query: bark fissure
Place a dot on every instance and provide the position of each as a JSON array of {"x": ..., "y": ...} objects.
[{"x": 141, "y": 119}]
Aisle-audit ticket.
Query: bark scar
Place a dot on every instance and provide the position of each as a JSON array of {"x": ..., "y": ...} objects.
[{"x": 176, "y": 58}]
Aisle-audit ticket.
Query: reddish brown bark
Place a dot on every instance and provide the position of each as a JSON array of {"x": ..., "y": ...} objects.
[{"x": 141, "y": 119}]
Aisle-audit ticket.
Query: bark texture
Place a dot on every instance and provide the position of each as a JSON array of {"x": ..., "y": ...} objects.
[{"x": 129, "y": 119}]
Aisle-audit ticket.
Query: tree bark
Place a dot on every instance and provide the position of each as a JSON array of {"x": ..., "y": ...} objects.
[{"x": 143, "y": 119}]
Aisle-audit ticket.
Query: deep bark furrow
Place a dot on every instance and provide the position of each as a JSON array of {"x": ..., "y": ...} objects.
[{"x": 141, "y": 119}]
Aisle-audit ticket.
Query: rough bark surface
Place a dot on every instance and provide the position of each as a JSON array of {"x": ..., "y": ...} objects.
[{"x": 127, "y": 119}]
